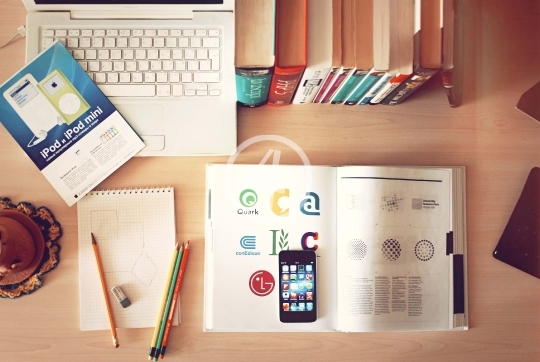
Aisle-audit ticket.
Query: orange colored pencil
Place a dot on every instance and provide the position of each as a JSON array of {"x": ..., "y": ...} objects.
[
  {"x": 104, "y": 287},
  {"x": 175, "y": 298}
]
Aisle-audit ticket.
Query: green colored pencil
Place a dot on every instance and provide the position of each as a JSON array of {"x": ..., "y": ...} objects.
[
  {"x": 163, "y": 301},
  {"x": 168, "y": 303}
]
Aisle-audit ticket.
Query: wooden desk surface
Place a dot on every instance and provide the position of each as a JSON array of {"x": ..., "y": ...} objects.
[{"x": 498, "y": 145}]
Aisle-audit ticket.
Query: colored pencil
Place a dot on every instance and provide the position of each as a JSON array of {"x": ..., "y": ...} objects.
[
  {"x": 163, "y": 301},
  {"x": 105, "y": 289},
  {"x": 168, "y": 303},
  {"x": 174, "y": 301}
]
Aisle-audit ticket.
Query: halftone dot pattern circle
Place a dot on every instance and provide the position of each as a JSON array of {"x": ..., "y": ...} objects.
[
  {"x": 356, "y": 249},
  {"x": 391, "y": 249},
  {"x": 424, "y": 250}
]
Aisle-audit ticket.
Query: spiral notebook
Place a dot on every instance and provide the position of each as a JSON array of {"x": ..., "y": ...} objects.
[{"x": 135, "y": 232}]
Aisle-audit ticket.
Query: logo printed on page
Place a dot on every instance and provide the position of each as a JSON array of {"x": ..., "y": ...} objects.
[
  {"x": 248, "y": 242},
  {"x": 261, "y": 283},
  {"x": 248, "y": 198}
]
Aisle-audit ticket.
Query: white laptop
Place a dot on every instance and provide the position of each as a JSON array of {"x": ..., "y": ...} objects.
[{"x": 168, "y": 66}]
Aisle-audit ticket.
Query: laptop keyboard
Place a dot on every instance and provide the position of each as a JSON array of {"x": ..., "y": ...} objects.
[{"x": 146, "y": 63}]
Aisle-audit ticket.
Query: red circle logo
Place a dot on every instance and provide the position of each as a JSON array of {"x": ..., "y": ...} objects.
[{"x": 261, "y": 283}]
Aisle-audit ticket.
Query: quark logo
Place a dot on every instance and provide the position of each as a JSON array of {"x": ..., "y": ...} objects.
[
  {"x": 261, "y": 283},
  {"x": 248, "y": 198},
  {"x": 275, "y": 202},
  {"x": 248, "y": 242},
  {"x": 310, "y": 205}
]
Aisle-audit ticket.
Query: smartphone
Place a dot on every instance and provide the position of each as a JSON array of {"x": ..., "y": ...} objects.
[{"x": 297, "y": 286}]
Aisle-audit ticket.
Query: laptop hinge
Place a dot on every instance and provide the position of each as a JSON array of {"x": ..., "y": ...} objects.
[{"x": 132, "y": 14}]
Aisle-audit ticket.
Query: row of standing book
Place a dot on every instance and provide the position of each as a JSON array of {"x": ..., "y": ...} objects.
[{"x": 351, "y": 52}]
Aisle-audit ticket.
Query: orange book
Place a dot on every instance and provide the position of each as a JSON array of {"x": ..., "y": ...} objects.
[{"x": 291, "y": 50}]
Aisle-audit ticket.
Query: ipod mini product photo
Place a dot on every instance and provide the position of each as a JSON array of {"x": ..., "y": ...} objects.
[
  {"x": 63, "y": 96},
  {"x": 33, "y": 107}
]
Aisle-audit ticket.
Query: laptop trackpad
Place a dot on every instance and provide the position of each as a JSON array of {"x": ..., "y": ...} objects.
[{"x": 148, "y": 121}]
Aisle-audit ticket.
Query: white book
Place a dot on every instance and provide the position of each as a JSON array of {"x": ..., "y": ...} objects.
[
  {"x": 390, "y": 245},
  {"x": 404, "y": 14},
  {"x": 319, "y": 60}
]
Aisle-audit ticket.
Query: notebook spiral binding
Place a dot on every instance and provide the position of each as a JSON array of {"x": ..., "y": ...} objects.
[{"x": 128, "y": 191}]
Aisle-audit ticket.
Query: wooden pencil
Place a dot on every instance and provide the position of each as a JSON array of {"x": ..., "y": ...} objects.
[
  {"x": 163, "y": 301},
  {"x": 168, "y": 303},
  {"x": 174, "y": 300},
  {"x": 105, "y": 289}
]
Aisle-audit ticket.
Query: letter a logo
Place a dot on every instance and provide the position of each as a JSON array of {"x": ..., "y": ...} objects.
[
  {"x": 274, "y": 202},
  {"x": 310, "y": 205}
]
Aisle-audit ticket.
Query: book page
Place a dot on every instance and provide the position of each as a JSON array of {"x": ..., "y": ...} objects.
[
  {"x": 255, "y": 212},
  {"x": 135, "y": 233},
  {"x": 393, "y": 271}
]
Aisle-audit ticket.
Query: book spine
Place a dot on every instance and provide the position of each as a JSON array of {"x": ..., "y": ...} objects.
[
  {"x": 362, "y": 88},
  {"x": 309, "y": 85},
  {"x": 453, "y": 99},
  {"x": 284, "y": 84},
  {"x": 340, "y": 77},
  {"x": 374, "y": 89},
  {"x": 326, "y": 84},
  {"x": 389, "y": 87},
  {"x": 253, "y": 86},
  {"x": 348, "y": 85},
  {"x": 405, "y": 89}
]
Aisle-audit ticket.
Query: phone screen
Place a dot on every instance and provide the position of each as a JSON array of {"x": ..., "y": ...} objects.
[{"x": 297, "y": 286}]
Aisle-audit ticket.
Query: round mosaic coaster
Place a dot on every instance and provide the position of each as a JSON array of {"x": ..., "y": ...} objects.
[{"x": 51, "y": 231}]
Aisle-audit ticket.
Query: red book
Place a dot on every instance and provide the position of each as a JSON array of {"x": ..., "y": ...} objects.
[{"x": 291, "y": 50}]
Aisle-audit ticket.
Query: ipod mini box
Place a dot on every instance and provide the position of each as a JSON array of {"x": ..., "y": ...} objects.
[{"x": 65, "y": 124}]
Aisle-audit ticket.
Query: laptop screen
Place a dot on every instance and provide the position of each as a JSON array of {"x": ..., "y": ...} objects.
[{"x": 127, "y": 2}]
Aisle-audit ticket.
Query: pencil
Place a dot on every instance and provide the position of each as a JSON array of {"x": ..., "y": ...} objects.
[
  {"x": 168, "y": 303},
  {"x": 163, "y": 300},
  {"x": 174, "y": 300},
  {"x": 105, "y": 294}
]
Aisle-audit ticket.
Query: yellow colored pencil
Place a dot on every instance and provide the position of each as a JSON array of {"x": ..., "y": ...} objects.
[
  {"x": 174, "y": 300},
  {"x": 163, "y": 302},
  {"x": 168, "y": 303}
]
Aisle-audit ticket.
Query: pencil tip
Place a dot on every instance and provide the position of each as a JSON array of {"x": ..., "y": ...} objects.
[{"x": 93, "y": 238}]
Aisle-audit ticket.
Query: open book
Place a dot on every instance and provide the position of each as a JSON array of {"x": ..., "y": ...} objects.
[{"x": 390, "y": 244}]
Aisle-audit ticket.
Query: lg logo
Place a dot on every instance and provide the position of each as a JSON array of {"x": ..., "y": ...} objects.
[{"x": 261, "y": 283}]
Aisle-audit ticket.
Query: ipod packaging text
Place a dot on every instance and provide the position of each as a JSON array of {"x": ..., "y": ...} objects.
[{"x": 65, "y": 124}]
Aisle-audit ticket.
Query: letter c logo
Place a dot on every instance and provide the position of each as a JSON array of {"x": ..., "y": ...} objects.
[
  {"x": 315, "y": 236},
  {"x": 274, "y": 202}
]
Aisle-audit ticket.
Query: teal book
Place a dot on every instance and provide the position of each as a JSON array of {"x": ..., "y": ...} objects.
[
  {"x": 255, "y": 50},
  {"x": 253, "y": 86},
  {"x": 366, "y": 99},
  {"x": 349, "y": 85},
  {"x": 363, "y": 87}
]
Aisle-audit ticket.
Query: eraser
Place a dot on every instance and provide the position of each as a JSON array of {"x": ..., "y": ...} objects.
[{"x": 121, "y": 297}]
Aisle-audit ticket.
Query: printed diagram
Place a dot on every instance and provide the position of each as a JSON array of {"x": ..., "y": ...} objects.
[
  {"x": 391, "y": 249},
  {"x": 424, "y": 250},
  {"x": 123, "y": 249},
  {"x": 356, "y": 249},
  {"x": 391, "y": 203}
]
